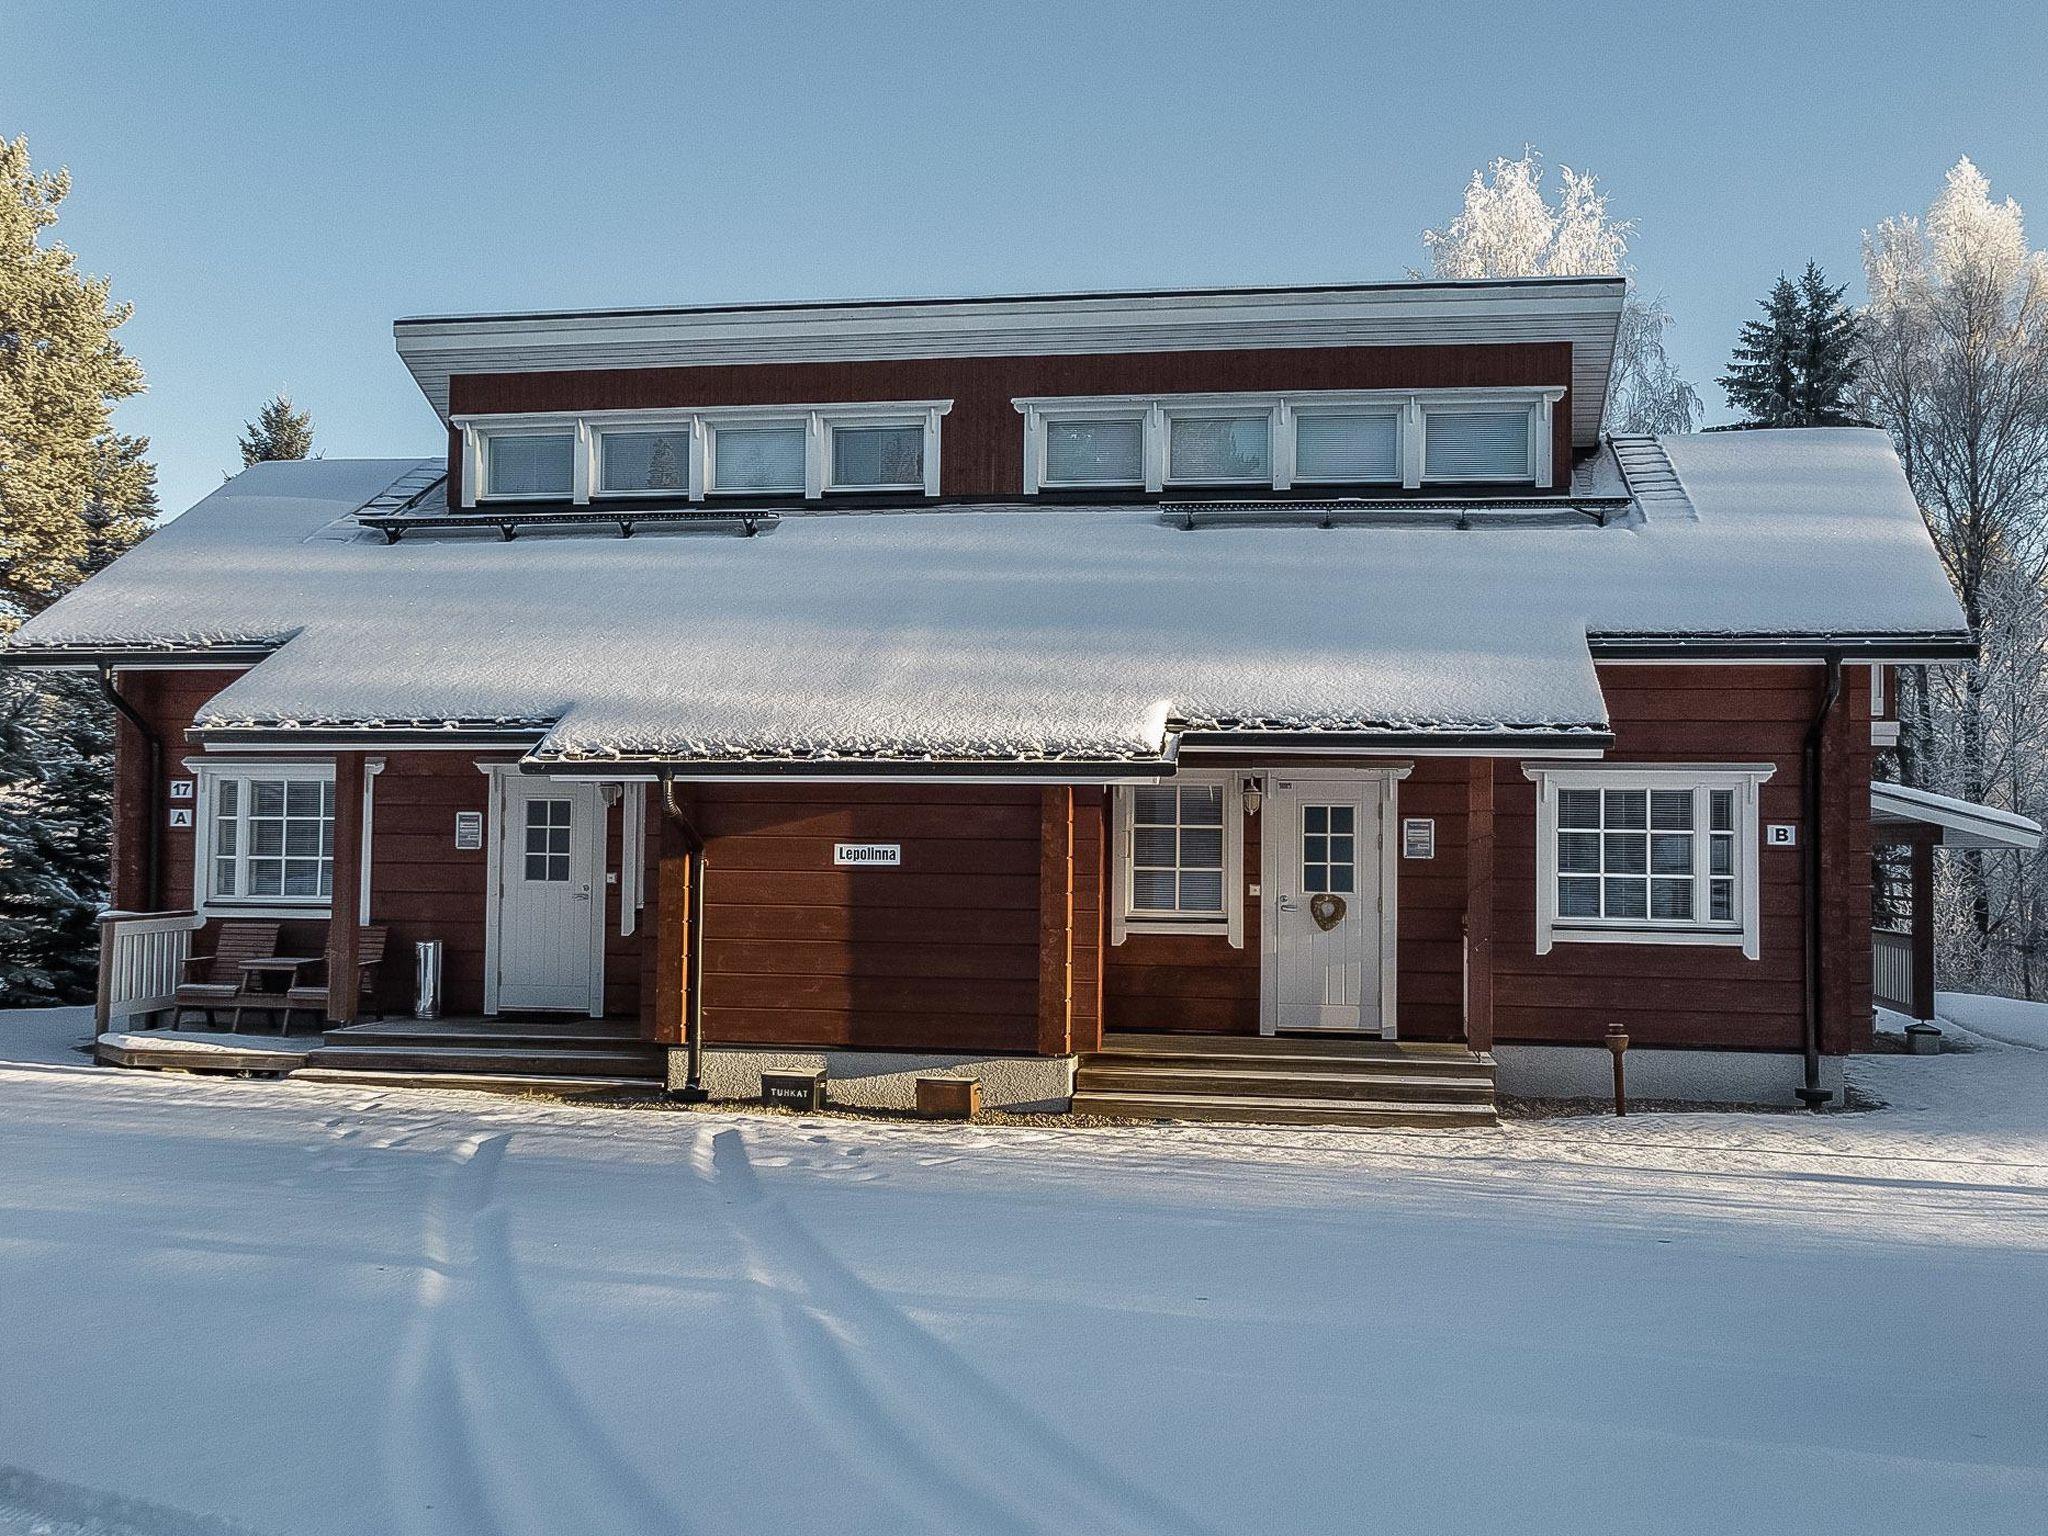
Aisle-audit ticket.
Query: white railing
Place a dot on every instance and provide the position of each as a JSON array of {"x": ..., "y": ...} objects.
[
  {"x": 142, "y": 960},
  {"x": 1891, "y": 960}
]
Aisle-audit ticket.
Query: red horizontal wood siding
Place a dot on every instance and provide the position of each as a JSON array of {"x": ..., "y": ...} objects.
[
  {"x": 940, "y": 953},
  {"x": 983, "y": 435}
]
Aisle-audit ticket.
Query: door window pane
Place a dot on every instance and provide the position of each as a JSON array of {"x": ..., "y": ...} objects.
[
  {"x": 1219, "y": 448},
  {"x": 529, "y": 463},
  {"x": 644, "y": 461},
  {"x": 1329, "y": 856},
  {"x": 1095, "y": 452},
  {"x": 877, "y": 456},
  {"x": 548, "y": 825},
  {"x": 1353, "y": 446},
  {"x": 757, "y": 458}
]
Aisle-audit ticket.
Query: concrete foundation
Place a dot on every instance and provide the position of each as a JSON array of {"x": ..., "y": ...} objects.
[
  {"x": 886, "y": 1079},
  {"x": 1700, "y": 1077}
]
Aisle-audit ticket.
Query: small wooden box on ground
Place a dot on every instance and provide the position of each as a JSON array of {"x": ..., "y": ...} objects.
[
  {"x": 793, "y": 1090},
  {"x": 949, "y": 1098}
]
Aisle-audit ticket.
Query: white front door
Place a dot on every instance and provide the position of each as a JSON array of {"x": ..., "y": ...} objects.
[
  {"x": 547, "y": 941},
  {"x": 1325, "y": 951}
]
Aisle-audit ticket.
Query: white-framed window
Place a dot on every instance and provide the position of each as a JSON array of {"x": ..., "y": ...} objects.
[
  {"x": 266, "y": 835},
  {"x": 807, "y": 450},
  {"x": 1648, "y": 854},
  {"x": 1178, "y": 858},
  {"x": 528, "y": 466},
  {"x": 1408, "y": 438}
]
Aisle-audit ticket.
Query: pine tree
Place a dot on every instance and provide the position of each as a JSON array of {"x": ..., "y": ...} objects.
[
  {"x": 60, "y": 372},
  {"x": 73, "y": 494},
  {"x": 1798, "y": 366},
  {"x": 278, "y": 432}
]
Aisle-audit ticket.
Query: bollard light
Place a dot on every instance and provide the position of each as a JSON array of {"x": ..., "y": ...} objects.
[{"x": 1617, "y": 1042}]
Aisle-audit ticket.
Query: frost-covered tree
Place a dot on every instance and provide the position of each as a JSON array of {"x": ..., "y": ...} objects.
[
  {"x": 1957, "y": 370},
  {"x": 1799, "y": 365},
  {"x": 73, "y": 494},
  {"x": 279, "y": 432},
  {"x": 1509, "y": 227}
]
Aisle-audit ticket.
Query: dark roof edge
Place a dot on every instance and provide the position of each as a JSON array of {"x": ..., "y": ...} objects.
[
  {"x": 367, "y": 738},
  {"x": 1921, "y": 646},
  {"x": 1037, "y": 770},
  {"x": 81, "y": 657},
  {"x": 1385, "y": 285}
]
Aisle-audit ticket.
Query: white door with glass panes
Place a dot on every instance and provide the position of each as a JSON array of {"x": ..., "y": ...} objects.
[
  {"x": 1321, "y": 872},
  {"x": 549, "y": 932}
]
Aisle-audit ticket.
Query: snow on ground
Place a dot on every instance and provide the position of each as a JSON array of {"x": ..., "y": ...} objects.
[{"x": 278, "y": 1307}]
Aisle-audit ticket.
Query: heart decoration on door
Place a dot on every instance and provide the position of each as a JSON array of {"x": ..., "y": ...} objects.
[{"x": 1327, "y": 910}]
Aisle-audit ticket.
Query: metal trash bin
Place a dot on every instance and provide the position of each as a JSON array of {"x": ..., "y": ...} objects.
[{"x": 427, "y": 979}]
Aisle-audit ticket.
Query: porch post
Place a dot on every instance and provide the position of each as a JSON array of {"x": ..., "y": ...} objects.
[
  {"x": 1479, "y": 904},
  {"x": 671, "y": 942},
  {"x": 1055, "y": 921},
  {"x": 1923, "y": 929},
  {"x": 344, "y": 911}
]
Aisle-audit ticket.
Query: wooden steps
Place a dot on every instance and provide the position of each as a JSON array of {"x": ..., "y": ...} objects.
[
  {"x": 521, "y": 1051},
  {"x": 1286, "y": 1080},
  {"x": 482, "y": 1082}
]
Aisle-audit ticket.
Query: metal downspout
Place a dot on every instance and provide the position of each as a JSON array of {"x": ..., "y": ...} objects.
[
  {"x": 693, "y": 1090},
  {"x": 153, "y": 857},
  {"x": 1811, "y": 1094}
]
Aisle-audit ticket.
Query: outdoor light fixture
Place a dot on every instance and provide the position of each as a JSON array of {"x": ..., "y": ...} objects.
[{"x": 1252, "y": 794}]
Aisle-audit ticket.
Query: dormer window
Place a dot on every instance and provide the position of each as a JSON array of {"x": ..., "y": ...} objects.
[
  {"x": 772, "y": 450},
  {"x": 1334, "y": 438},
  {"x": 526, "y": 465}
]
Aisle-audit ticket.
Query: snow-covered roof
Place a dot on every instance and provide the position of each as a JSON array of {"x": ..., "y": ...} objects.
[
  {"x": 1002, "y": 633},
  {"x": 1963, "y": 823}
]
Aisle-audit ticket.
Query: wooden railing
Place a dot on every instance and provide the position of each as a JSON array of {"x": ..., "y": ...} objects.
[
  {"x": 1891, "y": 980},
  {"x": 142, "y": 960}
]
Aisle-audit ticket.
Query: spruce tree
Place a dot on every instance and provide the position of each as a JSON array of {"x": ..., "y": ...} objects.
[
  {"x": 73, "y": 494},
  {"x": 1797, "y": 367},
  {"x": 278, "y": 432}
]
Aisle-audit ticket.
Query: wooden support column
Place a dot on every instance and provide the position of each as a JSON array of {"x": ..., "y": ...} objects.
[
  {"x": 1923, "y": 930},
  {"x": 344, "y": 912},
  {"x": 1055, "y": 921},
  {"x": 1479, "y": 904},
  {"x": 135, "y": 801}
]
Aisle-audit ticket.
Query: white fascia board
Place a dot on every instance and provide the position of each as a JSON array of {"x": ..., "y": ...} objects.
[{"x": 1586, "y": 315}]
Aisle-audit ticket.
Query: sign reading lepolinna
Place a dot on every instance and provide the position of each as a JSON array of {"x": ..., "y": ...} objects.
[{"x": 867, "y": 853}]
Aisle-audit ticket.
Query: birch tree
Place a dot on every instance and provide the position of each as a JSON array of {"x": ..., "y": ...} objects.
[
  {"x": 1956, "y": 369},
  {"x": 1509, "y": 227}
]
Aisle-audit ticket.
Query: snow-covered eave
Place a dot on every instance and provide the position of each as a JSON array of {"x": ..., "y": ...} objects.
[
  {"x": 1733, "y": 645},
  {"x": 1962, "y": 823},
  {"x": 364, "y": 735}
]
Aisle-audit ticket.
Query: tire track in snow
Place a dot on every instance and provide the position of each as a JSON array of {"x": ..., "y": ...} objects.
[
  {"x": 487, "y": 1437},
  {"x": 950, "y": 1446}
]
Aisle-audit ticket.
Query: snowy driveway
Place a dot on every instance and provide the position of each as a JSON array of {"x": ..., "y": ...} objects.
[{"x": 237, "y": 1306}]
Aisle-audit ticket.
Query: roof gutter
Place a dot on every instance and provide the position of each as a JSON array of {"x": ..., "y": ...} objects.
[
  {"x": 1931, "y": 646},
  {"x": 75, "y": 658},
  {"x": 153, "y": 858},
  {"x": 1811, "y": 1094},
  {"x": 693, "y": 1090}
]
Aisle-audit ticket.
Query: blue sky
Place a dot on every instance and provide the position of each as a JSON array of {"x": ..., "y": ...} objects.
[{"x": 271, "y": 185}]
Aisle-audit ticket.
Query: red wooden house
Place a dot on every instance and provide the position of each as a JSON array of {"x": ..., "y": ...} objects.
[{"x": 1272, "y": 702}]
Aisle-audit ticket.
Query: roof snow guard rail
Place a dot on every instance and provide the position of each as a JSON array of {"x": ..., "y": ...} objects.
[
  {"x": 1460, "y": 512},
  {"x": 509, "y": 524}
]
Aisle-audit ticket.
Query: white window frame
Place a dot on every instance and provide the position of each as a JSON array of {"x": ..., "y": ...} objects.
[
  {"x": 1744, "y": 779},
  {"x": 1157, "y": 413},
  {"x": 209, "y": 773},
  {"x": 1229, "y": 924},
  {"x": 1536, "y": 466},
  {"x": 700, "y": 424},
  {"x": 477, "y": 458}
]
